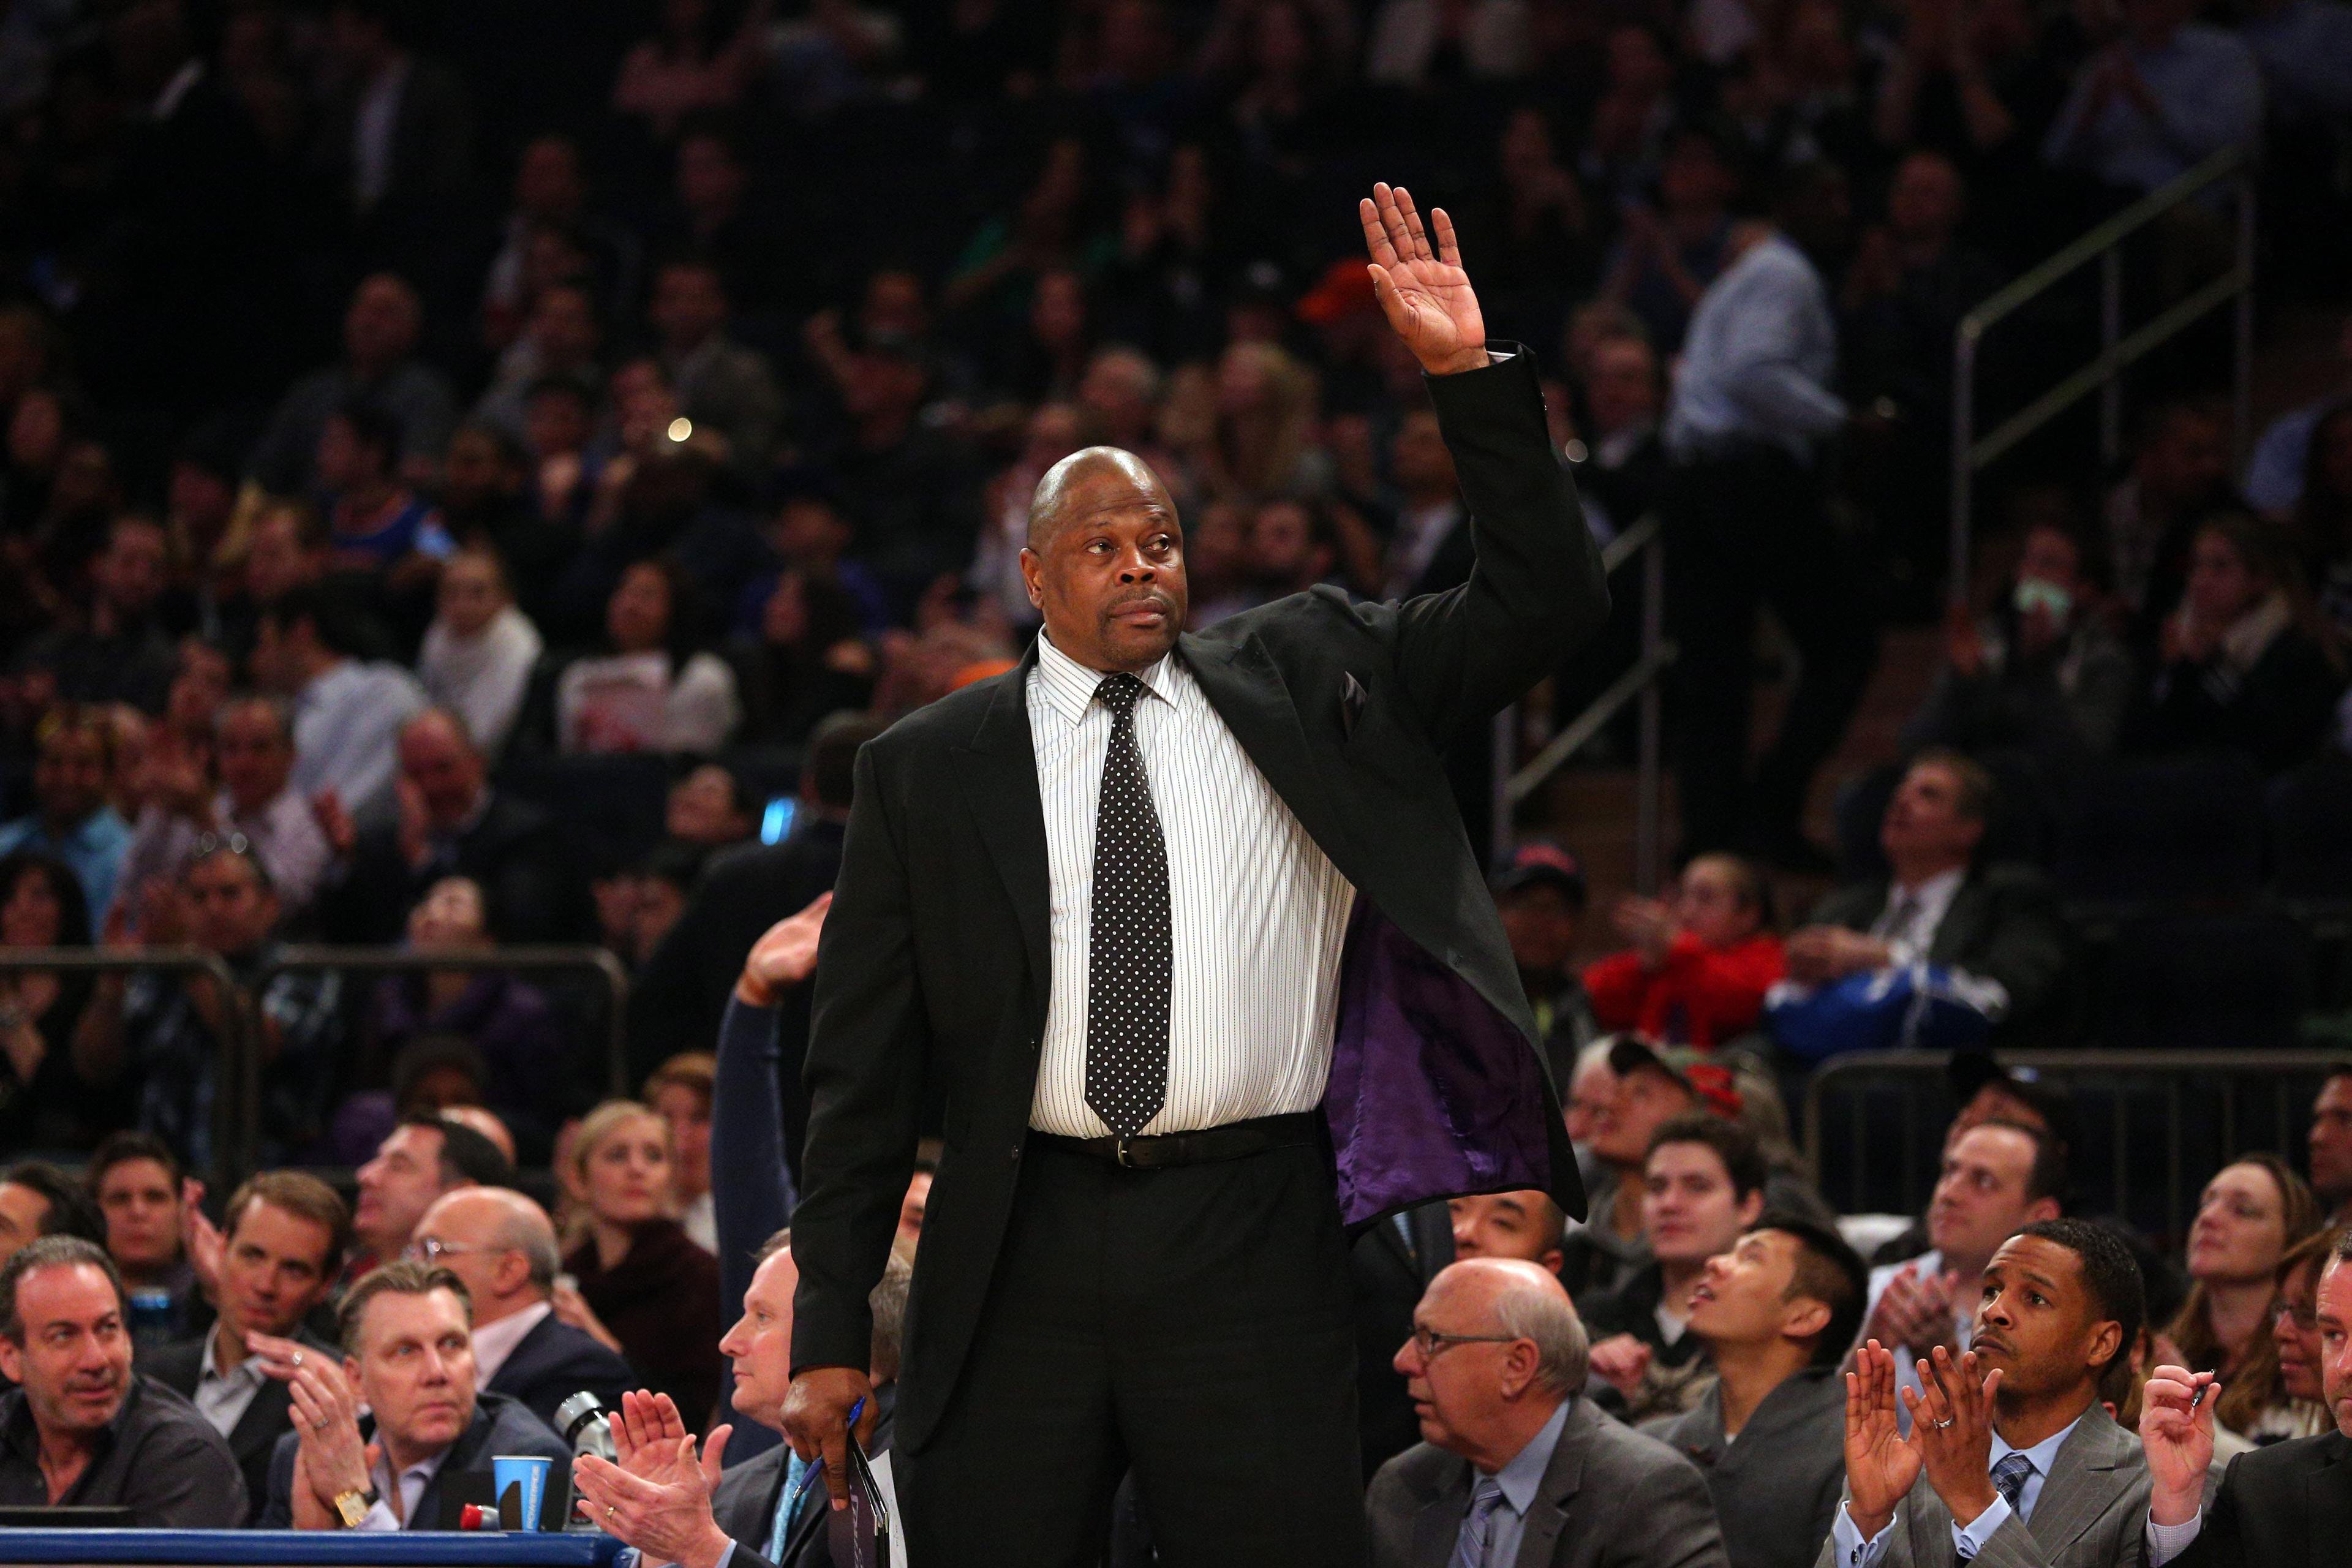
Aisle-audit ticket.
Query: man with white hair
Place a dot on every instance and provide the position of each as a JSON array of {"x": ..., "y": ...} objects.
[{"x": 1513, "y": 1468}]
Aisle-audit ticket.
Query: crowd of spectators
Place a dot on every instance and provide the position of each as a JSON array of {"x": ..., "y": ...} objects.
[{"x": 473, "y": 482}]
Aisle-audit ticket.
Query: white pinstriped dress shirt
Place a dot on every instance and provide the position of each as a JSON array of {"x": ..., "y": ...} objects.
[{"x": 1257, "y": 910}]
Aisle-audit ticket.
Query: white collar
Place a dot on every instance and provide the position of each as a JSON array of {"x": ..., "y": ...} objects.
[{"x": 1069, "y": 687}]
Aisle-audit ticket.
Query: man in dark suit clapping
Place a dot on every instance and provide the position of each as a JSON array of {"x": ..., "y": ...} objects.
[
  {"x": 278, "y": 1258},
  {"x": 2287, "y": 1505},
  {"x": 1095, "y": 911}
]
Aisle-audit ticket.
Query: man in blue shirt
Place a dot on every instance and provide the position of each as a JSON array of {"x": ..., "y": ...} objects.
[
  {"x": 72, "y": 818},
  {"x": 2011, "y": 1458},
  {"x": 1752, "y": 416}
]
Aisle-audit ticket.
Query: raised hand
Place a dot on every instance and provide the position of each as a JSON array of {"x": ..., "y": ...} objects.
[
  {"x": 1951, "y": 1426},
  {"x": 784, "y": 956},
  {"x": 1621, "y": 1361},
  {"x": 2176, "y": 1429},
  {"x": 668, "y": 1520},
  {"x": 1422, "y": 288},
  {"x": 1880, "y": 1467}
]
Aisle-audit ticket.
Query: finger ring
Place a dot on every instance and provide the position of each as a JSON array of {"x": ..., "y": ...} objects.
[
  {"x": 611, "y": 1509},
  {"x": 297, "y": 1358},
  {"x": 1940, "y": 1426}
]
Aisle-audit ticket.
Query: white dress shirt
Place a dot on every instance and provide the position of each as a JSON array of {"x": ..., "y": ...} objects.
[
  {"x": 1928, "y": 1266},
  {"x": 494, "y": 1341},
  {"x": 1257, "y": 910},
  {"x": 411, "y": 1482},
  {"x": 224, "y": 1397},
  {"x": 1969, "y": 1539}
]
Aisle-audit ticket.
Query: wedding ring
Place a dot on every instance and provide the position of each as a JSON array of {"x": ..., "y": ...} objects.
[
  {"x": 611, "y": 1509},
  {"x": 1941, "y": 1425},
  {"x": 297, "y": 1358}
]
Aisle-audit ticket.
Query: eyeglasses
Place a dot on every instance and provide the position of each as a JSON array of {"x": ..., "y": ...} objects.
[
  {"x": 1430, "y": 1343},
  {"x": 433, "y": 1249},
  {"x": 2304, "y": 1315}
]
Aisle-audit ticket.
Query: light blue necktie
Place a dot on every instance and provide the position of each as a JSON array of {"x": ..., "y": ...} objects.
[
  {"x": 2009, "y": 1479},
  {"x": 1477, "y": 1537},
  {"x": 795, "y": 1467}
]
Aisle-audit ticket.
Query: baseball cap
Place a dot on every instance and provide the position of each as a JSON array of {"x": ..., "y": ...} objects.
[
  {"x": 1541, "y": 862},
  {"x": 1706, "y": 1078}
]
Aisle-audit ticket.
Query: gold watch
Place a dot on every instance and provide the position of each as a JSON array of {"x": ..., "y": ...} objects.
[{"x": 353, "y": 1506}]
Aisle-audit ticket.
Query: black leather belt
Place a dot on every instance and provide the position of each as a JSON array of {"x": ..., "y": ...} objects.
[{"x": 1235, "y": 1141}]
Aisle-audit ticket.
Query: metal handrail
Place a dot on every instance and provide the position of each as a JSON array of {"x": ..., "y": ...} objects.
[
  {"x": 1639, "y": 682},
  {"x": 2175, "y": 1066},
  {"x": 236, "y": 1102},
  {"x": 549, "y": 958},
  {"x": 2118, "y": 351}
]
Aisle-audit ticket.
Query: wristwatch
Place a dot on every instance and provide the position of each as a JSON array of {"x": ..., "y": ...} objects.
[{"x": 353, "y": 1506}]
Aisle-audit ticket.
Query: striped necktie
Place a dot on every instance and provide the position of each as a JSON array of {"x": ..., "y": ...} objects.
[{"x": 1477, "y": 1538}]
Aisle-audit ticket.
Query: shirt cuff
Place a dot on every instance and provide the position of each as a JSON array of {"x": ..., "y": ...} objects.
[
  {"x": 378, "y": 1517},
  {"x": 1853, "y": 1550},
  {"x": 1971, "y": 1540},
  {"x": 2166, "y": 1542}
]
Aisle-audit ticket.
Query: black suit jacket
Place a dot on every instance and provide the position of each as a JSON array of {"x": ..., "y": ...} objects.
[
  {"x": 2287, "y": 1505},
  {"x": 180, "y": 1367},
  {"x": 2004, "y": 923},
  {"x": 556, "y": 1360},
  {"x": 933, "y": 971}
]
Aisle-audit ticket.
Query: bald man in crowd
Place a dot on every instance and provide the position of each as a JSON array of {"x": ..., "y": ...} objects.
[
  {"x": 503, "y": 1246},
  {"x": 1515, "y": 1467}
]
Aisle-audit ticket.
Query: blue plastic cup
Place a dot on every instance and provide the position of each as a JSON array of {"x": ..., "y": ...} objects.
[{"x": 526, "y": 1473}]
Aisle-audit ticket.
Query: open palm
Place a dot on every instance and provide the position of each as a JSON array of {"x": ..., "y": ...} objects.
[
  {"x": 1421, "y": 287},
  {"x": 1879, "y": 1465}
]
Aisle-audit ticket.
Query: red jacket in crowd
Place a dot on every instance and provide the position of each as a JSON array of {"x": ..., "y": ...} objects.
[{"x": 1700, "y": 995}]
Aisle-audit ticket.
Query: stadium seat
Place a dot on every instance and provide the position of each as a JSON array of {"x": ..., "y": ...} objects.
[
  {"x": 2206, "y": 981},
  {"x": 2164, "y": 832}
]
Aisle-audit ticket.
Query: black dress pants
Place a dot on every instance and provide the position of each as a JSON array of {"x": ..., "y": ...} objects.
[
  {"x": 1743, "y": 530},
  {"x": 1193, "y": 1323}
]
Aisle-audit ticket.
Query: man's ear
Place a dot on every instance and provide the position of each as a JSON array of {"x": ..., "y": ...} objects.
[
  {"x": 1751, "y": 1209},
  {"x": 2041, "y": 1209},
  {"x": 1551, "y": 1260},
  {"x": 1518, "y": 1368},
  {"x": 1033, "y": 572},
  {"x": 12, "y": 1360},
  {"x": 1802, "y": 1318},
  {"x": 2106, "y": 1344}
]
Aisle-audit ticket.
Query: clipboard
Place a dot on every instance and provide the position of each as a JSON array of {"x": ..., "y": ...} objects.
[{"x": 858, "y": 1536}]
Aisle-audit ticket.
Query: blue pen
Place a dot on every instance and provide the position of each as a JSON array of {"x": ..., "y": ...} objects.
[{"x": 809, "y": 1476}]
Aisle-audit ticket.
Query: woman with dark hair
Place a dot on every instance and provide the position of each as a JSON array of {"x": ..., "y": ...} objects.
[
  {"x": 2245, "y": 667},
  {"x": 44, "y": 1103},
  {"x": 654, "y": 692},
  {"x": 2254, "y": 1211},
  {"x": 1699, "y": 965}
]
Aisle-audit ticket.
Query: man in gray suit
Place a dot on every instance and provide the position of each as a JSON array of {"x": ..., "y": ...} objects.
[
  {"x": 2011, "y": 1462},
  {"x": 1515, "y": 1470},
  {"x": 1776, "y": 1315}
]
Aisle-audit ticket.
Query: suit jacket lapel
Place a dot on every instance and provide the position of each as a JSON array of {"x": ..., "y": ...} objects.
[
  {"x": 998, "y": 775},
  {"x": 263, "y": 1421},
  {"x": 1249, "y": 694},
  {"x": 1563, "y": 1477},
  {"x": 2082, "y": 1481},
  {"x": 2328, "y": 1499},
  {"x": 1956, "y": 932},
  {"x": 1439, "y": 1523}
]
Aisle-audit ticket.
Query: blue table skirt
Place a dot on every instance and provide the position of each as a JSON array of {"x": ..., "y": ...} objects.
[{"x": 323, "y": 1549}]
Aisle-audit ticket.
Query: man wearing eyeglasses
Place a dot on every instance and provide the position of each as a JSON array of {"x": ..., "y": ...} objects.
[
  {"x": 1514, "y": 1469},
  {"x": 503, "y": 1246}
]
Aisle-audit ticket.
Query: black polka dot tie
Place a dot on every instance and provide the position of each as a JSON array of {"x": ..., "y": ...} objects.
[{"x": 1128, "y": 946}]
